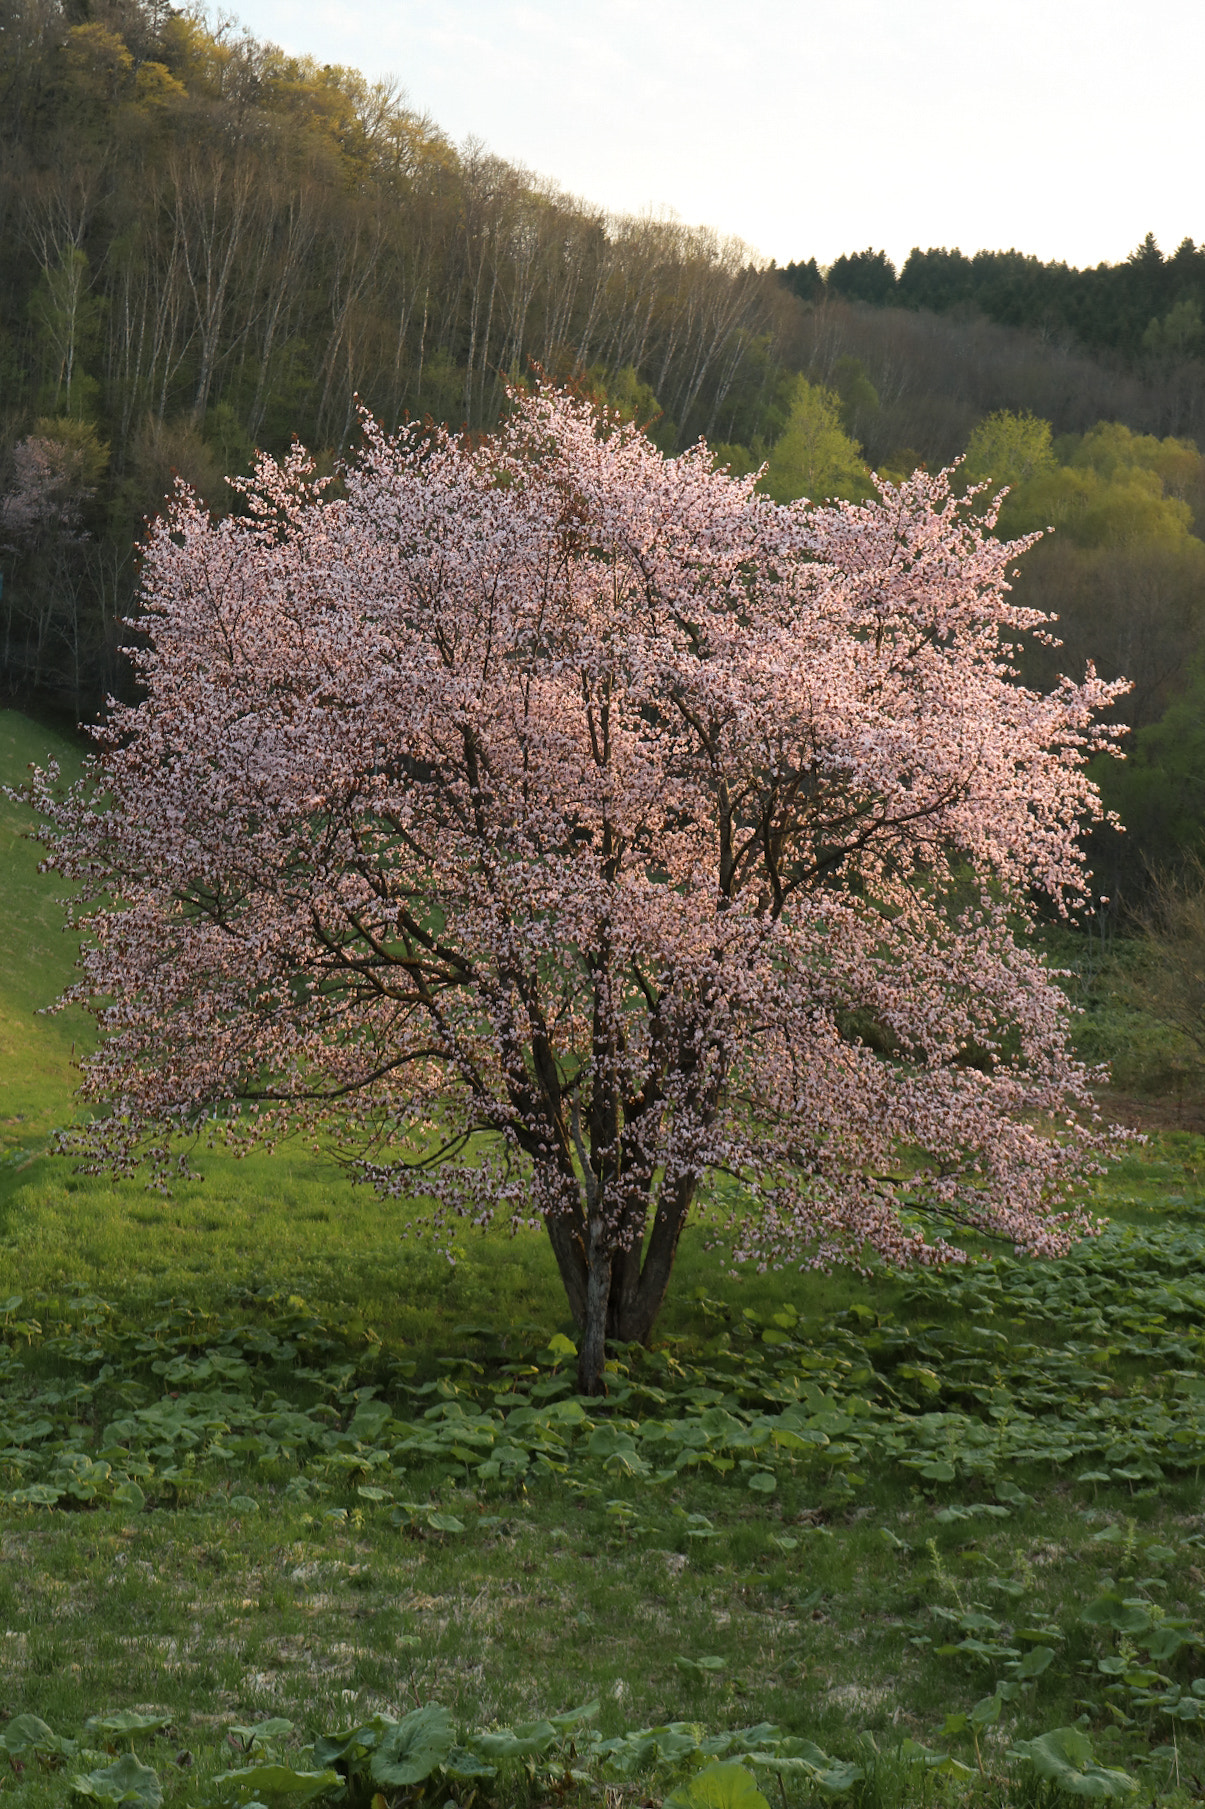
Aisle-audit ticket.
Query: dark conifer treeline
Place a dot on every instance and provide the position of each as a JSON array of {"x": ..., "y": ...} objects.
[{"x": 1148, "y": 306}]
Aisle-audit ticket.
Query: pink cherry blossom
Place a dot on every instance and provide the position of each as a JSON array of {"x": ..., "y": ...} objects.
[{"x": 570, "y": 834}]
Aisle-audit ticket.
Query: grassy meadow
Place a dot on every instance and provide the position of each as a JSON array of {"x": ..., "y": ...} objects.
[{"x": 274, "y": 1476}]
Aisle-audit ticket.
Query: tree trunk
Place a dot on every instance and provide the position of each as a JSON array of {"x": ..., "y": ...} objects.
[
  {"x": 567, "y": 1238},
  {"x": 638, "y": 1300},
  {"x": 592, "y": 1352},
  {"x": 620, "y": 1294}
]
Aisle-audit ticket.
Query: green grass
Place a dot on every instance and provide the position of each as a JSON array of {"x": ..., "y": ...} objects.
[
  {"x": 973, "y": 1457},
  {"x": 35, "y": 959}
]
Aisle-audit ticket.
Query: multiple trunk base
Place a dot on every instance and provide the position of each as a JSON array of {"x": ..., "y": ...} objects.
[{"x": 615, "y": 1294}]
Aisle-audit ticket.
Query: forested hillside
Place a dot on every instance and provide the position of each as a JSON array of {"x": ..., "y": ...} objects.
[{"x": 209, "y": 246}]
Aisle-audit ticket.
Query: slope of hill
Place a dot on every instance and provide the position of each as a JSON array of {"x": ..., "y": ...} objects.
[{"x": 35, "y": 960}]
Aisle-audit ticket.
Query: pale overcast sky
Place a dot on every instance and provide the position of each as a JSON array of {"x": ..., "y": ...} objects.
[{"x": 1068, "y": 128}]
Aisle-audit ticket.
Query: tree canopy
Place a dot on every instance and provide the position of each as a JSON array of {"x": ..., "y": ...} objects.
[
  {"x": 566, "y": 829},
  {"x": 814, "y": 456}
]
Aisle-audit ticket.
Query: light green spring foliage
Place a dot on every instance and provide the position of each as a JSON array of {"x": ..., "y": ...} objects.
[
  {"x": 815, "y": 457},
  {"x": 1009, "y": 449},
  {"x": 1125, "y": 575},
  {"x": 629, "y": 394},
  {"x": 66, "y": 315},
  {"x": 738, "y": 461},
  {"x": 88, "y": 453},
  {"x": 1110, "y": 487}
]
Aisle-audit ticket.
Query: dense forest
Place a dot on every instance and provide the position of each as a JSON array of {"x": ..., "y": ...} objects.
[
  {"x": 1150, "y": 304},
  {"x": 210, "y": 246}
]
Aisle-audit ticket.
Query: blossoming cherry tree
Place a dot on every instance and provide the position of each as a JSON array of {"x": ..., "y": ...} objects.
[{"x": 571, "y": 834}]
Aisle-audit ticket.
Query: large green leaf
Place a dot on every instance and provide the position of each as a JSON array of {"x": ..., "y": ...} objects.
[
  {"x": 258, "y": 1733},
  {"x": 1065, "y": 1757},
  {"x": 572, "y": 1717},
  {"x": 808, "y": 1760},
  {"x": 913, "y": 1753},
  {"x": 986, "y": 1712},
  {"x": 369, "y": 1421},
  {"x": 352, "y": 1745},
  {"x": 272, "y": 1784},
  {"x": 745, "y": 1739},
  {"x": 124, "y": 1722},
  {"x": 28, "y": 1733},
  {"x": 38, "y": 1494},
  {"x": 515, "y": 1742},
  {"x": 445, "y": 1523},
  {"x": 1035, "y": 1661},
  {"x": 640, "y": 1751},
  {"x": 463, "y": 1763},
  {"x": 1166, "y": 1640},
  {"x": 126, "y": 1781},
  {"x": 410, "y": 1750},
  {"x": 1109, "y": 1610}
]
